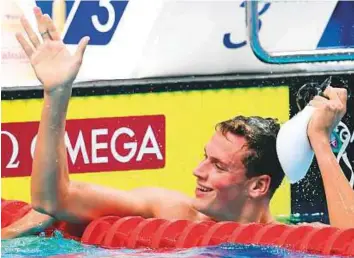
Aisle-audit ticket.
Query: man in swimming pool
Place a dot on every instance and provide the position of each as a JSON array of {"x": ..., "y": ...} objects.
[{"x": 235, "y": 181}]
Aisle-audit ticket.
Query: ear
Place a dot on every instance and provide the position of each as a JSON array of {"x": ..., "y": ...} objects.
[{"x": 259, "y": 186}]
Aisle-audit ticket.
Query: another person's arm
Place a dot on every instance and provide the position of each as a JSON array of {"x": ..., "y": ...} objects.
[
  {"x": 339, "y": 194},
  {"x": 51, "y": 190},
  {"x": 33, "y": 222}
]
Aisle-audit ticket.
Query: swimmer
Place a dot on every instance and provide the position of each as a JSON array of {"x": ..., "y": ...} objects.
[{"x": 234, "y": 182}]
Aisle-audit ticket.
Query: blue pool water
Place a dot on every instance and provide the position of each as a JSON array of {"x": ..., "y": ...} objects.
[{"x": 36, "y": 246}]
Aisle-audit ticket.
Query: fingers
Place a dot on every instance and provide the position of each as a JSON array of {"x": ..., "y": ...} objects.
[
  {"x": 30, "y": 33},
  {"x": 45, "y": 27},
  {"x": 337, "y": 93},
  {"x": 24, "y": 44},
  {"x": 52, "y": 30},
  {"x": 338, "y": 97},
  {"x": 334, "y": 103},
  {"x": 46, "y": 34},
  {"x": 343, "y": 96},
  {"x": 318, "y": 101},
  {"x": 331, "y": 93},
  {"x": 81, "y": 48},
  {"x": 41, "y": 23}
]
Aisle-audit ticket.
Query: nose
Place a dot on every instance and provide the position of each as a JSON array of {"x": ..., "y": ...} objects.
[{"x": 201, "y": 171}]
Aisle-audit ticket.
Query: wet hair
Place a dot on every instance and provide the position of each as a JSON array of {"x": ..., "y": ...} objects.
[{"x": 260, "y": 134}]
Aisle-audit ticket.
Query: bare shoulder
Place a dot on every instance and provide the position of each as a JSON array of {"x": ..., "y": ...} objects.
[
  {"x": 162, "y": 195},
  {"x": 168, "y": 204}
]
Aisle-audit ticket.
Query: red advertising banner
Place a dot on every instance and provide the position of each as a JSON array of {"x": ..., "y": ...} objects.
[{"x": 93, "y": 145}]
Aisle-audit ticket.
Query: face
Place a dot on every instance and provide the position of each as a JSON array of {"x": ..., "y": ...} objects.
[{"x": 221, "y": 177}]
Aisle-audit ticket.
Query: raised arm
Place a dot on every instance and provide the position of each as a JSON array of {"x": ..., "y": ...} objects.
[
  {"x": 339, "y": 194},
  {"x": 51, "y": 189}
]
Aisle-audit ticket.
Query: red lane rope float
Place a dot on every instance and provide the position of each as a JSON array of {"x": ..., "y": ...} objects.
[
  {"x": 142, "y": 235},
  {"x": 350, "y": 249},
  {"x": 289, "y": 239},
  {"x": 97, "y": 230},
  {"x": 137, "y": 232},
  {"x": 338, "y": 242},
  {"x": 12, "y": 211},
  {"x": 192, "y": 235},
  {"x": 269, "y": 234},
  {"x": 167, "y": 234},
  {"x": 314, "y": 241},
  {"x": 117, "y": 236},
  {"x": 244, "y": 233},
  {"x": 219, "y": 233}
]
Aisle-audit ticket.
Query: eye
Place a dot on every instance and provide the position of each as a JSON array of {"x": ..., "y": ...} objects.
[{"x": 219, "y": 167}]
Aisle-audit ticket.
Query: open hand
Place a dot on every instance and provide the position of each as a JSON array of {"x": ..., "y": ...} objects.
[{"x": 54, "y": 66}]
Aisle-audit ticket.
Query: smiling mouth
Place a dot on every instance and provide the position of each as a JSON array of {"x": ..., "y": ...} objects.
[{"x": 204, "y": 189}]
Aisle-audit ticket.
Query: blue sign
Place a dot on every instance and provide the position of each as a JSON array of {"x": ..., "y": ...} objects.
[
  {"x": 96, "y": 19},
  {"x": 227, "y": 36}
]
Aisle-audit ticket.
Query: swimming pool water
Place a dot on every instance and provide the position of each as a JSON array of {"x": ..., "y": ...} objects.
[{"x": 57, "y": 246}]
